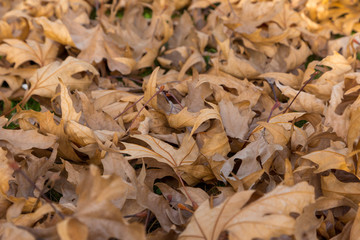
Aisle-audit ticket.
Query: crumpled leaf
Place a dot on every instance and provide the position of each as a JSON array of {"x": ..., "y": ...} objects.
[
  {"x": 188, "y": 119},
  {"x": 259, "y": 148},
  {"x": 56, "y": 31},
  {"x": 96, "y": 211}
]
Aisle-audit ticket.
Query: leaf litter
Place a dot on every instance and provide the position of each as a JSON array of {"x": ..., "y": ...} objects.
[{"x": 179, "y": 119}]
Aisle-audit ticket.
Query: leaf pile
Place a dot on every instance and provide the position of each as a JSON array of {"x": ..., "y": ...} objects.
[{"x": 179, "y": 119}]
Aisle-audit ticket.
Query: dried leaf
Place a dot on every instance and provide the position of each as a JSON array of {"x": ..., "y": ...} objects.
[
  {"x": 46, "y": 79},
  {"x": 234, "y": 217},
  {"x": 163, "y": 152}
]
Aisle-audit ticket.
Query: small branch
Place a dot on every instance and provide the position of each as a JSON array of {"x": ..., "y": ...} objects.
[
  {"x": 319, "y": 71},
  {"x": 271, "y": 82},
  {"x": 194, "y": 204},
  {"x": 126, "y": 109}
]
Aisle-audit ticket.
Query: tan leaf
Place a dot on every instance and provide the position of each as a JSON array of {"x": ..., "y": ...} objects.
[
  {"x": 236, "y": 122},
  {"x": 27, "y": 139},
  {"x": 354, "y": 126},
  {"x": 5, "y": 30},
  {"x": 188, "y": 119},
  {"x": 259, "y": 148},
  {"x": 72, "y": 228},
  {"x": 330, "y": 159},
  {"x": 355, "y": 231},
  {"x": 48, "y": 125},
  {"x": 270, "y": 213},
  {"x": 46, "y": 79},
  {"x": 163, "y": 152},
  {"x": 19, "y": 52},
  {"x": 150, "y": 90},
  {"x": 12, "y": 232},
  {"x": 214, "y": 141},
  {"x": 304, "y": 101},
  {"x": 280, "y": 135},
  {"x": 96, "y": 45},
  {"x": 56, "y": 31},
  {"x": 322, "y": 87},
  {"x": 68, "y": 112},
  {"x": 331, "y": 186}
]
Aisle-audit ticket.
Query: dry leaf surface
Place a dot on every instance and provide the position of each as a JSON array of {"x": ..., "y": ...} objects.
[{"x": 179, "y": 119}]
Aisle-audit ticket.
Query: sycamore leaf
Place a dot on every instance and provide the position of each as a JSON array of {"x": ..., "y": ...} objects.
[
  {"x": 264, "y": 218},
  {"x": 163, "y": 152},
  {"x": 97, "y": 45},
  {"x": 48, "y": 125},
  {"x": 19, "y": 52},
  {"x": 27, "y": 139},
  {"x": 68, "y": 112},
  {"x": 46, "y": 79}
]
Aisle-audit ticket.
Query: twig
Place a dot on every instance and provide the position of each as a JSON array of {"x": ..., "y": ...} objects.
[
  {"x": 271, "y": 82},
  {"x": 319, "y": 71},
  {"x": 128, "y": 108}
]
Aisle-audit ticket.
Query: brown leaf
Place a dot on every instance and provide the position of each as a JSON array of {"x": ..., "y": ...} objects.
[
  {"x": 95, "y": 210},
  {"x": 271, "y": 212},
  {"x": 236, "y": 122},
  {"x": 72, "y": 228},
  {"x": 331, "y": 186},
  {"x": 46, "y": 79},
  {"x": 163, "y": 152},
  {"x": 19, "y": 52}
]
